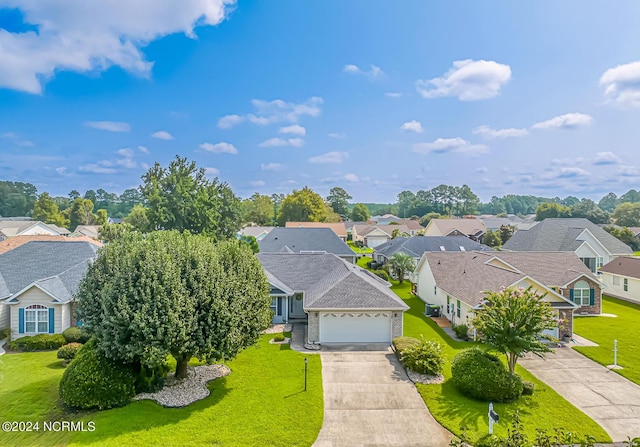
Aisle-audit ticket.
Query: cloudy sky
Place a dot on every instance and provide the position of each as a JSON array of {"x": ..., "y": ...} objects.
[{"x": 532, "y": 97}]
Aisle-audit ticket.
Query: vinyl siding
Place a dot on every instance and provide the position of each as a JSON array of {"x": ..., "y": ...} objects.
[{"x": 37, "y": 296}]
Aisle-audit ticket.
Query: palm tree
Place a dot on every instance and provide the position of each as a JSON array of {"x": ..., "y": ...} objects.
[{"x": 401, "y": 263}]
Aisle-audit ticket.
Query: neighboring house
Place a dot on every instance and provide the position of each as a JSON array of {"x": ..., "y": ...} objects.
[
  {"x": 373, "y": 236},
  {"x": 474, "y": 229},
  {"x": 11, "y": 228},
  {"x": 341, "y": 302},
  {"x": 92, "y": 231},
  {"x": 17, "y": 241},
  {"x": 258, "y": 232},
  {"x": 37, "y": 284},
  {"x": 114, "y": 220},
  {"x": 415, "y": 246},
  {"x": 458, "y": 282},
  {"x": 593, "y": 245},
  {"x": 338, "y": 227},
  {"x": 622, "y": 278},
  {"x": 385, "y": 219},
  {"x": 494, "y": 223},
  {"x": 309, "y": 240}
]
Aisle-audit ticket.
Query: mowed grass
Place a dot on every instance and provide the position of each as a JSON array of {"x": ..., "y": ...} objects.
[
  {"x": 262, "y": 402},
  {"x": 546, "y": 409},
  {"x": 604, "y": 330},
  {"x": 363, "y": 250}
]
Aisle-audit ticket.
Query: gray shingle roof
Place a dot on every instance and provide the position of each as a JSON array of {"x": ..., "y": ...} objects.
[
  {"x": 57, "y": 267},
  {"x": 416, "y": 245},
  {"x": 304, "y": 239},
  {"x": 329, "y": 282},
  {"x": 560, "y": 235},
  {"x": 467, "y": 275},
  {"x": 624, "y": 266}
]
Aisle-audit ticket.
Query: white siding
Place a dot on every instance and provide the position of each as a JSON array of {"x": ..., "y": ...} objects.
[
  {"x": 633, "y": 292},
  {"x": 37, "y": 296},
  {"x": 39, "y": 229},
  {"x": 5, "y": 313},
  {"x": 595, "y": 246}
]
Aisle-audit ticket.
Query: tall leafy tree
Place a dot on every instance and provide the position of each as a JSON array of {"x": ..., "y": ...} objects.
[
  {"x": 467, "y": 201},
  {"x": 608, "y": 202},
  {"x": 178, "y": 294},
  {"x": 627, "y": 214},
  {"x": 338, "y": 199},
  {"x": 625, "y": 235},
  {"x": 113, "y": 232},
  {"x": 550, "y": 209},
  {"x": 46, "y": 210},
  {"x": 17, "y": 198},
  {"x": 181, "y": 197},
  {"x": 138, "y": 218},
  {"x": 589, "y": 210},
  {"x": 257, "y": 209},
  {"x": 401, "y": 263},
  {"x": 631, "y": 196},
  {"x": 512, "y": 321},
  {"x": 360, "y": 213},
  {"x": 80, "y": 213},
  {"x": 302, "y": 206},
  {"x": 492, "y": 238}
]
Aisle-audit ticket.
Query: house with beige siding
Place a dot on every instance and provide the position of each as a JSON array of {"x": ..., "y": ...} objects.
[
  {"x": 38, "y": 281},
  {"x": 472, "y": 228},
  {"x": 458, "y": 282},
  {"x": 622, "y": 278}
]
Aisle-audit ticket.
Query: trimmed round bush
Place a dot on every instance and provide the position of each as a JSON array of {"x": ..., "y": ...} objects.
[
  {"x": 527, "y": 388},
  {"x": 278, "y": 337},
  {"x": 461, "y": 331},
  {"x": 402, "y": 343},
  {"x": 76, "y": 335},
  {"x": 424, "y": 357},
  {"x": 381, "y": 274},
  {"x": 40, "y": 342},
  {"x": 92, "y": 381},
  {"x": 69, "y": 351},
  {"x": 482, "y": 376}
]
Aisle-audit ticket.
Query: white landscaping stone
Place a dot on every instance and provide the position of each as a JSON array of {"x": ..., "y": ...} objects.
[{"x": 424, "y": 378}]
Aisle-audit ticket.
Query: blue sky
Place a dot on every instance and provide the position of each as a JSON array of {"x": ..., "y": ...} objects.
[{"x": 535, "y": 97}]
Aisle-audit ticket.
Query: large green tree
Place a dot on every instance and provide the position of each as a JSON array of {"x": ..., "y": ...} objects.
[
  {"x": 627, "y": 214},
  {"x": 360, "y": 213},
  {"x": 178, "y": 294},
  {"x": 338, "y": 199},
  {"x": 302, "y": 206},
  {"x": 608, "y": 202},
  {"x": 257, "y": 209},
  {"x": 138, "y": 217},
  {"x": 548, "y": 210},
  {"x": 17, "y": 198},
  {"x": 401, "y": 263},
  {"x": 588, "y": 209},
  {"x": 80, "y": 213},
  {"x": 46, "y": 210},
  {"x": 512, "y": 321},
  {"x": 181, "y": 197}
]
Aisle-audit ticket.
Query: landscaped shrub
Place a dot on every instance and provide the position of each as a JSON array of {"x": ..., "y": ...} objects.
[
  {"x": 482, "y": 376},
  {"x": 5, "y": 333},
  {"x": 424, "y": 357},
  {"x": 402, "y": 343},
  {"x": 150, "y": 380},
  {"x": 69, "y": 351},
  {"x": 76, "y": 335},
  {"x": 92, "y": 381},
  {"x": 278, "y": 337},
  {"x": 461, "y": 330},
  {"x": 527, "y": 388},
  {"x": 381, "y": 274},
  {"x": 40, "y": 342}
]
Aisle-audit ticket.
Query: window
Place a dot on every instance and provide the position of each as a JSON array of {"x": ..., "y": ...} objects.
[
  {"x": 458, "y": 310},
  {"x": 36, "y": 319},
  {"x": 599, "y": 262},
  {"x": 590, "y": 262},
  {"x": 616, "y": 280},
  {"x": 581, "y": 293},
  {"x": 625, "y": 284},
  {"x": 448, "y": 304}
]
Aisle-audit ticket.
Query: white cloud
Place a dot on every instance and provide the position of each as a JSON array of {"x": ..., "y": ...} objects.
[
  {"x": 15, "y": 139},
  {"x": 111, "y": 126},
  {"x": 219, "y": 148},
  {"x": 488, "y": 133},
  {"x": 127, "y": 163},
  {"x": 351, "y": 178},
  {"x": 278, "y": 142},
  {"x": 162, "y": 135},
  {"x": 482, "y": 170},
  {"x": 257, "y": 183},
  {"x": 228, "y": 121},
  {"x": 566, "y": 121},
  {"x": 622, "y": 84},
  {"x": 337, "y": 135},
  {"x": 468, "y": 80},
  {"x": 61, "y": 170},
  {"x": 143, "y": 149},
  {"x": 212, "y": 172},
  {"x": 329, "y": 157},
  {"x": 96, "y": 169},
  {"x": 567, "y": 161},
  {"x": 628, "y": 171},
  {"x": 447, "y": 145},
  {"x": 271, "y": 167},
  {"x": 276, "y": 111},
  {"x": 606, "y": 158},
  {"x": 92, "y": 35},
  {"x": 294, "y": 129},
  {"x": 412, "y": 126},
  {"x": 125, "y": 152},
  {"x": 564, "y": 173},
  {"x": 373, "y": 72},
  {"x": 393, "y": 94}
]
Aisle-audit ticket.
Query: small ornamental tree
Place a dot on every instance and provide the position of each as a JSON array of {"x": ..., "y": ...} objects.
[
  {"x": 171, "y": 293},
  {"x": 512, "y": 321},
  {"x": 401, "y": 263}
]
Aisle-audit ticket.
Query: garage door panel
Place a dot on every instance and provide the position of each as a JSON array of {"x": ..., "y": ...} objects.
[{"x": 355, "y": 327}]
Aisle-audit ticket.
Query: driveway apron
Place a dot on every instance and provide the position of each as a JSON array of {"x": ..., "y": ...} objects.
[
  {"x": 370, "y": 401},
  {"x": 606, "y": 397}
]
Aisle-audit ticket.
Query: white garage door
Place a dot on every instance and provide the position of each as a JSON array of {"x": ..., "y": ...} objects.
[{"x": 352, "y": 327}]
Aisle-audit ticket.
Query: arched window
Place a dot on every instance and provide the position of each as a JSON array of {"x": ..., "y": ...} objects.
[
  {"x": 36, "y": 319},
  {"x": 581, "y": 293}
]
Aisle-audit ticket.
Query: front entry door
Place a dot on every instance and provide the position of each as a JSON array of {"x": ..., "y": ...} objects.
[{"x": 296, "y": 309}]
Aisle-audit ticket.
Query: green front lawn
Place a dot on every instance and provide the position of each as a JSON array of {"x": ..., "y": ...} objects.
[
  {"x": 261, "y": 402},
  {"x": 546, "y": 409},
  {"x": 360, "y": 251},
  {"x": 604, "y": 330}
]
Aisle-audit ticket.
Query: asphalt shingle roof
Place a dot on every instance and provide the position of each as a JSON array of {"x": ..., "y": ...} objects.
[
  {"x": 56, "y": 266},
  {"x": 304, "y": 239},
  {"x": 560, "y": 235},
  {"x": 623, "y": 266},
  {"x": 329, "y": 282},
  {"x": 416, "y": 245}
]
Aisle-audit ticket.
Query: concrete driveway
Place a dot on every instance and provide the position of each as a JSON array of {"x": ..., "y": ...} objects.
[
  {"x": 369, "y": 401},
  {"x": 606, "y": 397}
]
